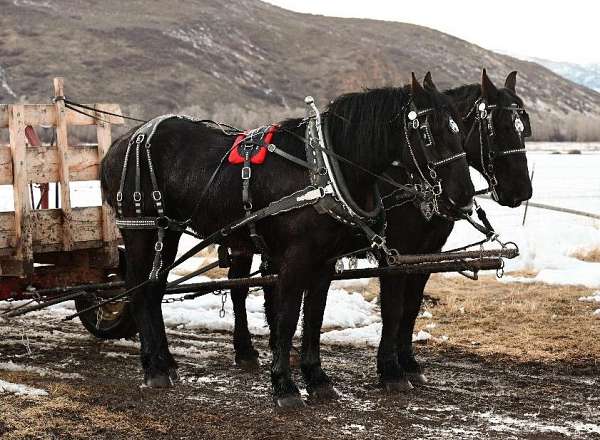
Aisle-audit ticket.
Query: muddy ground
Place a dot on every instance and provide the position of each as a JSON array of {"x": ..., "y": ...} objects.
[{"x": 483, "y": 384}]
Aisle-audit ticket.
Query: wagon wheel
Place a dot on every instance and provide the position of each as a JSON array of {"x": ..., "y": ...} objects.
[{"x": 111, "y": 321}]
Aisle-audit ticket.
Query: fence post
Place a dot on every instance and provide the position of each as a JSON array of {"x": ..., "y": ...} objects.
[
  {"x": 23, "y": 232},
  {"x": 62, "y": 143}
]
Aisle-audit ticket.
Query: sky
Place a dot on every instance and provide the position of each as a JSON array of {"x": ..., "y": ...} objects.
[{"x": 551, "y": 29}]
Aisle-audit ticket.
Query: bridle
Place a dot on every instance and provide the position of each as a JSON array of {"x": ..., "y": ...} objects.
[
  {"x": 483, "y": 114},
  {"x": 431, "y": 187}
]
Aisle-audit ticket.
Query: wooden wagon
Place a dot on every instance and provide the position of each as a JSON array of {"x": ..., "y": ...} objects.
[
  {"x": 41, "y": 248},
  {"x": 36, "y": 244}
]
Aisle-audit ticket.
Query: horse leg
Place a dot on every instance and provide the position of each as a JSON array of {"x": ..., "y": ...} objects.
[
  {"x": 286, "y": 300},
  {"x": 391, "y": 375},
  {"x": 270, "y": 293},
  {"x": 318, "y": 383},
  {"x": 157, "y": 362},
  {"x": 246, "y": 357},
  {"x": 415, "y": 285}
]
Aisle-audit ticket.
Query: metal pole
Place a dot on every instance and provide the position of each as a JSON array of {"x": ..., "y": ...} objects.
[{"x": 559, "y": 209}]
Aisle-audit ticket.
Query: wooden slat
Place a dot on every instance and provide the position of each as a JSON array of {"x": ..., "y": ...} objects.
[
  {"x": 45, "y": 114},
  {"x": 85, "y": 223},
  {"x": 47, "y": 228},
  {"x": 7, "y": 230},
  {"x": 6, "y": 167},
  {"x": 42, "y": 164},
  {"x": 63, "y": 169},
  {"x": 22, "y": 204},
  {"x": 104, "y": 134},
  {"x": 3, "y": 115}
]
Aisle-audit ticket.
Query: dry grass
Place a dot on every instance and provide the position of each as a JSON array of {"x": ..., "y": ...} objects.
[
  {"x": 592, "y": 255},
  {"x": 524, "y": 321},
  {"x": 69, "y": 410}
]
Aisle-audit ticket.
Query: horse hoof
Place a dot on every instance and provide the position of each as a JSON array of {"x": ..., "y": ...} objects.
[
  {"x": 290, "y": 402},
  {"x": 323, "y": 393},
  {"x": 397, "y": 387},
  {"x": 159, "y": 381},
  {"x": 417, "y": 379},
  {"x": 248, "y": 364}
]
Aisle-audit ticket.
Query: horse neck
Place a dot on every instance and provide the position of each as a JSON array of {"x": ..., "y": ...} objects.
[{"x": 360, "y": 183}]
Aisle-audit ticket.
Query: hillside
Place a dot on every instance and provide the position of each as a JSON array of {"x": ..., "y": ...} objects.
[{"x": 245, "y": 61}]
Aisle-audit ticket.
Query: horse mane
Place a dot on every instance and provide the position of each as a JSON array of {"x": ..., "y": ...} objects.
[
  {"x": 365, "y": 127},
  {"x": 464, "y": 96}
]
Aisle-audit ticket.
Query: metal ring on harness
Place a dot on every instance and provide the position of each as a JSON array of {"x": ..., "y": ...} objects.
[
  {"x": 137, "y": 196},
  {"x": 432, "y": 171},
  {"x": 156, "y": 196},
  {"x": 162, "y": 222}
]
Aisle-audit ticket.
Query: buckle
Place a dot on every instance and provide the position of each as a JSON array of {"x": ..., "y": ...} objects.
[
  {"x": 119, "y": 196},
  {"x": 158, "y": 246},
  {"x": 246, "y": 173},
  {"x": 140, "y": 138},
  {"x": 378, "y": 242},
  {"x": 137, "y": 196},
  {"x": 162, "y": 222},
  {"x": 156, "y": 196}
]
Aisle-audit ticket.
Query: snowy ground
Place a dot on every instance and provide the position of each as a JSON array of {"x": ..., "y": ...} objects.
[{"x": 63, "y": 383}]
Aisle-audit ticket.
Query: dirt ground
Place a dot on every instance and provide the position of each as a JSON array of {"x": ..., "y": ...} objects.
[{"x": 519, "y": 361}]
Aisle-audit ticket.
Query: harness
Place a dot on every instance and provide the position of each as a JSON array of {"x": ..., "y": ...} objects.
[
  {"x": 325, "y": 172},
  {"x": 250, "y": 148},
  {"x": 489, "y": 151},
  {"x": 327, "y": 190},
  {"x": 428, "y": 184}
]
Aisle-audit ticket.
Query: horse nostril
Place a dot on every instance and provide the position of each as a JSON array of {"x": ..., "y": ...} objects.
[{"x": 465, "y": 209}]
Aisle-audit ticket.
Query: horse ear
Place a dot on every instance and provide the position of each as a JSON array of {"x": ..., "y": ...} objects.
[
  {"x": 416, "y": 87},
  {"x": 428, "y": 82},
  {"x": 511, "y": 81},
  {"x": 488, "y": 89}
]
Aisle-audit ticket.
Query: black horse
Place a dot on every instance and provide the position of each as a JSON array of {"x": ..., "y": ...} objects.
[
  {"x": 410, "y": 233},
  {"x": 300, "y": 242},
  {"x": 503, "y": 163}
]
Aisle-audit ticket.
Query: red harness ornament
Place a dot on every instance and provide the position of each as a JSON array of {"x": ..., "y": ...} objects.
[{"x": 259, "y": 154}]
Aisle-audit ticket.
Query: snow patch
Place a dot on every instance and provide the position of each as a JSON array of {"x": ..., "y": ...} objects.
[
  {"x": 4, "y": 83},
  {"x": 11, "y": 366},
  {"x": 504, "y": 423},
  {"x": 594, "y": 297},
  {"x": 20, "y": 389},
  {"x": 422, "y": 336}
]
